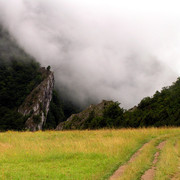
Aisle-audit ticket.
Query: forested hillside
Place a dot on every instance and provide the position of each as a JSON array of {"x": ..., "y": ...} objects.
[
  {"x": 163, "y": 109},
  {"x": 60, "y": 110},
  {"x": 17, "y": 79},
  {"x": 19, "y": 74}
]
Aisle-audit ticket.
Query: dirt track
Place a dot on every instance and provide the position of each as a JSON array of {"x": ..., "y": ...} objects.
[
  {"x": 119, "y": 172},
  {"x": 149, "y": 174}
]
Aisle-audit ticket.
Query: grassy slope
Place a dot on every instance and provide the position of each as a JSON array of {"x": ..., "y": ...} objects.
[{"x": 70, "y": 154}]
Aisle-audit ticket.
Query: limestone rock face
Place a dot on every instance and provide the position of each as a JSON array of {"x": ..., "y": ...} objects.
[
  {"x": 36, "y": 105},
  {"x": 77, "y": 121}
]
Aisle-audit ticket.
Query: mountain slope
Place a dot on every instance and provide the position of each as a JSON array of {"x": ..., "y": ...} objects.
[
  {"x": 19, "y": 75},
  {"x": 163, "y": 109},
  {"x": 36, "y": 104},
  {"x": 24, "y": 85},
  {"x": 105, "y": 114}
]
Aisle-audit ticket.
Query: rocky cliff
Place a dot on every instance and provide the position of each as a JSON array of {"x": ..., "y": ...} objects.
[
  {"x": 79, "y": 121},
  {"x": 36, "y": 105}
]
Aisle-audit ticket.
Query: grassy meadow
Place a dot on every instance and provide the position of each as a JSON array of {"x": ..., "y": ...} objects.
[{"x": 87, "y": 154}]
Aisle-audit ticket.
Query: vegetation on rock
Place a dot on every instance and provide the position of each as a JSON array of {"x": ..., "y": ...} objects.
[{"x": 106, "y": 114}]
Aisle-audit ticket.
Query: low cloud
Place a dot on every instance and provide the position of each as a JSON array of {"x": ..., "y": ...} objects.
[{"x": 99, "y": 49}]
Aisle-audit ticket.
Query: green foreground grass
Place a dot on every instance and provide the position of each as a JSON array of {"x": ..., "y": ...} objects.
[
  {"x": 168, "y": 163},
  {"x": 80, "y": 154}
]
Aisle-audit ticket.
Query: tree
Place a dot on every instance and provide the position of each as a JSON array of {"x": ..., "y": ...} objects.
[
  {"x": 113, "y": 115},
  {"x": 48, "y": 68}
]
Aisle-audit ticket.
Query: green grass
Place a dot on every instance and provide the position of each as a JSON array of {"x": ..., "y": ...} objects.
[
  {"x": 168, "y": 160},
  {"x": 71, "y": 154},
  {"x": 142, "y": 162}
]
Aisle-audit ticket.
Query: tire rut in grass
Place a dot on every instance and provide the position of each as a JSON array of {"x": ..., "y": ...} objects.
[
  {"x": 149, "y": 174},
  {"x": 119, "y": 172}
]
